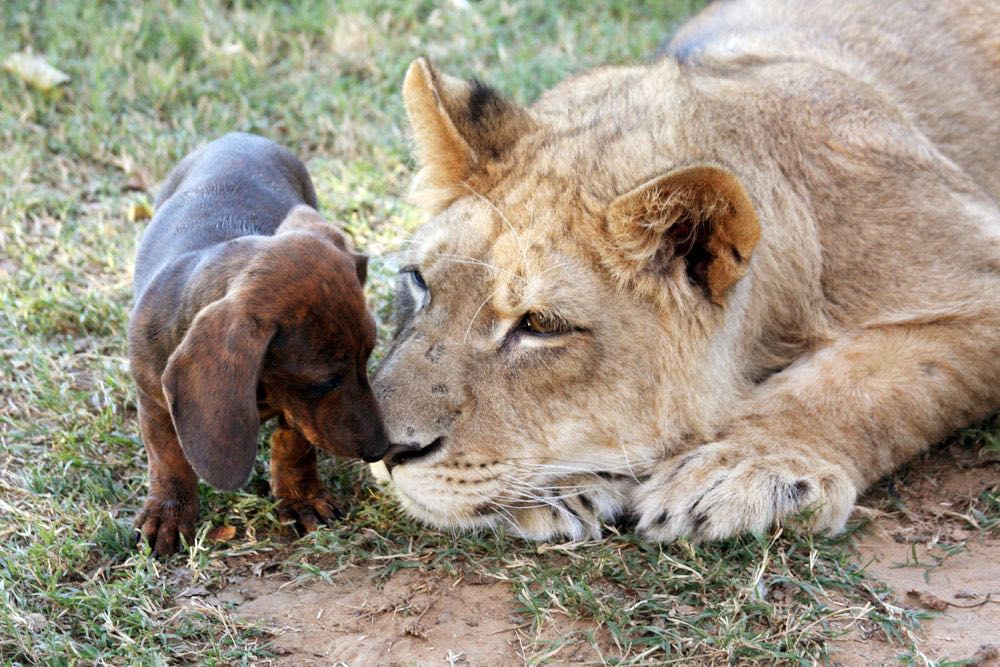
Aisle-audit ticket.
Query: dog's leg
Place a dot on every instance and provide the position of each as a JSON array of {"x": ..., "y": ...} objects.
[
  {"x": 816, "y": 434},
  {"x": 171, "y": 509},
  {"x": 302, "y": 498}
]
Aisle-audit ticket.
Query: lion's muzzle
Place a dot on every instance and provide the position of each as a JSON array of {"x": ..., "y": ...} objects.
[{"x": 401, "y": 453}]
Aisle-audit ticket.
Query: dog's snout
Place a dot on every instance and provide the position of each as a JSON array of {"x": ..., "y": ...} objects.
[
  {"x": 375, "y": 442},
  {"x": 405, "y": 452},
  {"x": 376, "y": 447}
]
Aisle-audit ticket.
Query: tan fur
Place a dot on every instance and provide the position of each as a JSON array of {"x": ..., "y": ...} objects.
[{"x": 773, "y": 255}]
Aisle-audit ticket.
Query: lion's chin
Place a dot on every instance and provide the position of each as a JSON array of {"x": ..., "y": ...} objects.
[
  {"x": 534, "y": 524},
  {"x": 572, "y": 517},
  {"x": 430, "y": 511},
  {"x": 460, "y": 518}
]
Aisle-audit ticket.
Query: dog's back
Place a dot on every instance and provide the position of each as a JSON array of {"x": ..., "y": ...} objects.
[{"x": 239, "y": 185}]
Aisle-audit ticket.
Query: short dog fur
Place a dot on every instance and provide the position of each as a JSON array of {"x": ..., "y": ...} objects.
[{"x": 248, "y": 305}]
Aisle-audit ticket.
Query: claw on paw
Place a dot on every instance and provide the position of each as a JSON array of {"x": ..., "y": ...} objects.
[
  {"x": 166, "y": 525},
  {"x": 717, "y": 493},
  {"x": 307, "y": 514}
]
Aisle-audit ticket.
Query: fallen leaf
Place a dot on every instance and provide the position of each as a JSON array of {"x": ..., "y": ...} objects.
[
  {"x": 682, "y": 610},
  {"x": 260, "y": 568},
  {"x": 35, "y": 71},
  {"x": 222, "y": 533},
  {"x": 476, "y": 579},
  {"x": 225, "y": 597},
  {"x": 928, "y": 600},
  {"x": 139, "y": 211},
  {"x": 137, "y": 180},
  {"x": 194, "y": 591}
]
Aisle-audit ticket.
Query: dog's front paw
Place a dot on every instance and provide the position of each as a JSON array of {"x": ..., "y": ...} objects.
[
  {"x": 722, "y": 490},
  {"x": 306, "y": 511},
  {"x": 165, "y": 521}
]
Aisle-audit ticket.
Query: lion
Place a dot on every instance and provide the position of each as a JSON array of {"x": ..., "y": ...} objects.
[{"x": 724, "y": 289}]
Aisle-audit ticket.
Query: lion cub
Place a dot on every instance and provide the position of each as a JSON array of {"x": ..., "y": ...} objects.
[{"x": 745, "y": 279}]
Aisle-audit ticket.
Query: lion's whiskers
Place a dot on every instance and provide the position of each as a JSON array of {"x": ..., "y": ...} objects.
[{"x": 472, "y": 321}]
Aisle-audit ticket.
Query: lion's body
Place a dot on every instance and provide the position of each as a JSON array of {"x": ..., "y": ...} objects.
[{"x": 831, "y": 308}]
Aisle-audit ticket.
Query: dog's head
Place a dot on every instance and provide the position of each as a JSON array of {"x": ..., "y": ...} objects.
[{"x": 292, "y": 334}]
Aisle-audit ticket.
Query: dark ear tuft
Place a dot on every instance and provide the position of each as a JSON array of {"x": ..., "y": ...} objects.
[
  {"x": 480, "y": 100},
  {"x": 701, "y": 215},
  {"x": 459, "y": 127},
  {"x": 211, "y": 387}
]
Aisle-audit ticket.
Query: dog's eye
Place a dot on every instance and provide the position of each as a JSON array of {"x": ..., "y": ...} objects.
[
  {"x": 323, "y": 388},
  {"x": 541, "y": 324}
]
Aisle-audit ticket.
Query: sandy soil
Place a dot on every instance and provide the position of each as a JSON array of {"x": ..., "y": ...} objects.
[
  {"x": 904, "y": 550},
  {"x": 413, "y": 618},
  {"x": 420, "y": 618}
]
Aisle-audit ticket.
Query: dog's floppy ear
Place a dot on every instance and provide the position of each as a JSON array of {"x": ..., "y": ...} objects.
[
  {"x": 701, "y": 215},
  {"x": 304, "y": 218},
  {"x": 211, "y": 387}
]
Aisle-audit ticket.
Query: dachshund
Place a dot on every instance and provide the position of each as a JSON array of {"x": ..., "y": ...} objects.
[{"x": 248, "y": 306}]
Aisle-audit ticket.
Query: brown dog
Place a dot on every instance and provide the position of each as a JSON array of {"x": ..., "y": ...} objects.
[{"x": 247, "y": 306}]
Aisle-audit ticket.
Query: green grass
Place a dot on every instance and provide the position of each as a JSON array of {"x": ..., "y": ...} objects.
[{"x": 153, "y": 80}]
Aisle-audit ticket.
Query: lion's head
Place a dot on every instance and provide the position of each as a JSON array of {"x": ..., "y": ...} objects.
[{"x": 565, "y": 317}]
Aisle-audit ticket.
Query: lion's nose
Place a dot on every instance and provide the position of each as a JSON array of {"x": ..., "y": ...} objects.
[{"x": 406, "y": 452}]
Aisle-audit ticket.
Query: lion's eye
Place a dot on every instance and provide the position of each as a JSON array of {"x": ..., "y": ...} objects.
[
  {"x": 413, "y": 282},
  {"x": 416, "y": 276},
  {"x": 541, "y": 324}
]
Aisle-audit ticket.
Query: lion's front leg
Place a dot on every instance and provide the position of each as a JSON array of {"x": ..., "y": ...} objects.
[
  {"x": 816, "y": 434},
  {"x": 724, "y": 489}
]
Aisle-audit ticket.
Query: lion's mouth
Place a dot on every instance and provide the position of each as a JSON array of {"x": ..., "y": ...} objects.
[{"x": 408, "y": 455}]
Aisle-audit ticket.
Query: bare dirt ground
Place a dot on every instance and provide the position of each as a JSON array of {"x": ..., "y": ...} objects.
[
  {"x": 908, "y": 549},
  {"x": 922, "y": 540},
  {"x": 412, "y": 618}
]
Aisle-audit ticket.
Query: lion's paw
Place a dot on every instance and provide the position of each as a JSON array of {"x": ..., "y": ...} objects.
[{"x": 719, "y": 490}]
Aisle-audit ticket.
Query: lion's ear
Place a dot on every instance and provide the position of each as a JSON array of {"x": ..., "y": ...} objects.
[
  {"x": 701, "y": 215},
  {"x": 459, "y": 127}
]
